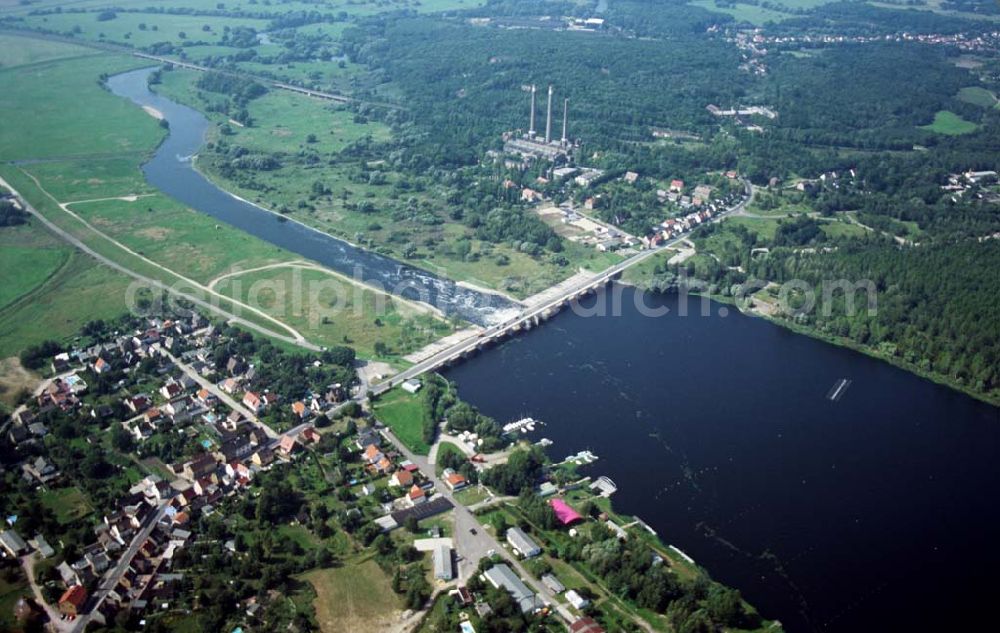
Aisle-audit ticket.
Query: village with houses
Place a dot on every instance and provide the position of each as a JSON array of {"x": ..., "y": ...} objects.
[{"x": 151, "y": 444}]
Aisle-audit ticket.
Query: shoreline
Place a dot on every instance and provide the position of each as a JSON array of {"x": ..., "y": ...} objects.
[{"x": 838, "y": 342}]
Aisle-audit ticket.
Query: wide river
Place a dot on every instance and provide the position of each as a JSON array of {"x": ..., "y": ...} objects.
[
  {"x": 875, "y": 512},
  {"x": 171, "y": 170}
]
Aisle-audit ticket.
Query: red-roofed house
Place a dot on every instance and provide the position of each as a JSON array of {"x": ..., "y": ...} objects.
[
  {"x": 288, "y": 445},
  {"x": 401, "y": 479},
  {"x": 564, "y": 513},
  {"x": 416, "y": 495},
  {"x": 300, "y": 409},
  {"x": 372, "y": 454},
  {"x": 309, "y": 434},
  {"x": 253, "y": 402},
  {"x": 676, "y": 185},
  {"x": 72, "y": 600},
  {"x": 454, "y": 481}
]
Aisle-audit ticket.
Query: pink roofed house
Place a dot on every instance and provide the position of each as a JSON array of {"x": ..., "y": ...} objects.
[{"x": 564, "y": 513}]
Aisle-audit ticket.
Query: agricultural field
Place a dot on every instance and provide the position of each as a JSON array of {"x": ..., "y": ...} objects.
[
  {"x": 356, "y": 597},
  {"x": 950, "y": 124}
]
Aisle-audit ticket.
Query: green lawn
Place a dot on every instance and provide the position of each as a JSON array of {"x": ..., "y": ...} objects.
[
  {"x": 68, "y": 504},
  {"x": 404, "y": 414},
  {"x": 80, "y": 291},
  {"x": 89, "y": 179},
  {"x": 444, "y": 448},
  {"x": 950, "y": 124},
  {"x": 977, "y": 96}
]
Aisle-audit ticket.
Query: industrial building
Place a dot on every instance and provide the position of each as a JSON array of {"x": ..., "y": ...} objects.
[{"x": 531, "y": 145}]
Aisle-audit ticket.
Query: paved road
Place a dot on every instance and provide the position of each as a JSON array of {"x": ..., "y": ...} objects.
[
  {"x": 113, "y": 575},
  {"x": 55, "y": 623},
  {"x": 473, "y": 547},
  {"x": 221, "y": 395},
  {"x": 149, "y": 281},
  {"x": 527, "y": 317}
]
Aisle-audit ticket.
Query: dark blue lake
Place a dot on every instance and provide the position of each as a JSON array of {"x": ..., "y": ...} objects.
[{"x": 875, "y": 512}]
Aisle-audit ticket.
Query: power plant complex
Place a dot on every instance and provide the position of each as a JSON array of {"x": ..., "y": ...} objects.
[{"x": 531, "y": 145}]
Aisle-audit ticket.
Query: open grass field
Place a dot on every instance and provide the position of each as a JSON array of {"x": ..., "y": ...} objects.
[
  {"x": 89, "y": 179},
  {"x": 28, "y": 256},
  {"x": 283, "y": 121},
  {"x": 333, "y": 310},
  {"x": 18, "y": 279},
  {"x": 978, "y": 96},
  {"x": 125, "y": 27},
  {"x": 22, "y": 51},
  {"x": 185, "y": 241},
  {"x": 950, "y": 124},
  {"x": 68, "y": 504},
  {"x": 41, "y": 122},
  {"x": 404, "y": 414},
  {"x": 57, "y": 289},
  {"x": 357, "y": 597},
  {"x": 349, "y": 7}
]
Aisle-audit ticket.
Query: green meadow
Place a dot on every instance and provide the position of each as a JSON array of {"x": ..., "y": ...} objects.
[
  {"x": 41, "y": 122},
  {"x": 141, "y": 29},
  {"x": 950, "y": 124},
  {"x": 332, "y": 310},
  {"x": 185, "y": 241},
  {"x": 978, "y": 96}
]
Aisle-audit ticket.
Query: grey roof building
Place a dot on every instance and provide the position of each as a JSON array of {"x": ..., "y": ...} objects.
[
  {"x": 442, "y": 563},
  {"x": 553, "y": 583},
  {"x": 13, "y": 543},
  {"x": 501, "y": 576},
  {"x": 522, "y": 543}
]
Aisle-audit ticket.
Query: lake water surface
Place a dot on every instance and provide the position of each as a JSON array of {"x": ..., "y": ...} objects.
[{"x": 877, "y": 512}]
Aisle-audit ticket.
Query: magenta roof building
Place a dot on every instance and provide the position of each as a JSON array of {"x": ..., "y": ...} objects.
[{"x": 564, "y": 514}]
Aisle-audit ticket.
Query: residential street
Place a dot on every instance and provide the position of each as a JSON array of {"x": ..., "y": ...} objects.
[{"x": 472, "y": 547}]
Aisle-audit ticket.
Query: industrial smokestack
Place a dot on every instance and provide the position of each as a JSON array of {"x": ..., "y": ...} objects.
[
  {"x": 565, "y": 117},
  {"x": 531, "y": 129},
  {"x": 548, "y": 119}
]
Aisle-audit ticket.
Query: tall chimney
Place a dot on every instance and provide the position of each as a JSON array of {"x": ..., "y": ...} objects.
[
  {"x": 531, "y": 130},
  {"x": 548, "y": 119},
  {"x": 565, "y": 117}
]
